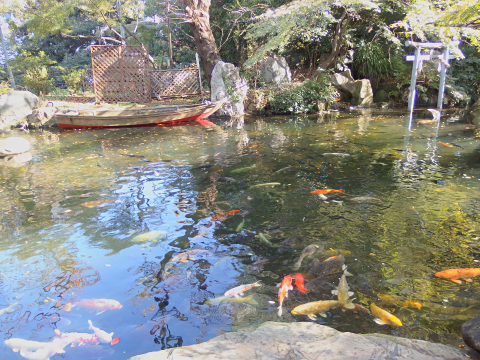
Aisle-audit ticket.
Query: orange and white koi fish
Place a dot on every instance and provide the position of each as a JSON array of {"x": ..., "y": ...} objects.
[
  {"x": 315, "y": 307},
  {"x": 224, "y": 214},
  {"x": 285, "y": 286},
  {"x": 325, "y": 191},
  {"x": 96, "y": 203},
  {"x": 299, "y": 283},
  {"x": 383, "y": 317},
  {"x": 456, "y": 274},
  {"x": 99, "y": 304},
  {"x": 239, "y": 290}
]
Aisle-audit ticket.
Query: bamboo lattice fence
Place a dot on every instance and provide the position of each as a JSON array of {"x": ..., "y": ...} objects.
[{"x": 120, "y": 73}]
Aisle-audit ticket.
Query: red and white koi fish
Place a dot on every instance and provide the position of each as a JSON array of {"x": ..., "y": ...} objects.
[
  {"x": 285, "y": 286},
  {"x": 99, "y": 304},
  {"x": 299, "y": 283},
  {"x": 101, "y": 335},
  {"x": 239, "y": 290},
  {"x": 78, "y": 338}
]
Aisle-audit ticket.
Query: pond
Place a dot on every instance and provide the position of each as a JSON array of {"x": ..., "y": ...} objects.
[{"x": 131, "y": 216}]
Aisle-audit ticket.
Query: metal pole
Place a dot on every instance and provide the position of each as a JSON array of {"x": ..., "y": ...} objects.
[
  {"x": 443, "y": 73},
  {"x": 10, "y": 73},
  {"x": 122, "y": 30},
  {"x": 199, "y": 75},
  {"x": 413, "y": 81}
]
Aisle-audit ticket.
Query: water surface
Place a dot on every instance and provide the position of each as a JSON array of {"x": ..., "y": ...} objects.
[{"x": 72, "y": 217}]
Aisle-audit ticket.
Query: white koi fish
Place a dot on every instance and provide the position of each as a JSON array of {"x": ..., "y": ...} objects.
[
  {"x": 9, "y": 309},
  {"x": 44, "y": 353},
  {"x": 101, "y": 335},
  {"x": 78, "y": 338},
  {"x": 18, "y": 344},
  {"x": 238, "y": 291}
]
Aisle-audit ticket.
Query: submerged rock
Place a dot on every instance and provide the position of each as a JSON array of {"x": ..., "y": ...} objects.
[
  {"x": 305, "y": 340},
  {"x": 471, "y": 332},
  {"x": 14, "y": 145}
]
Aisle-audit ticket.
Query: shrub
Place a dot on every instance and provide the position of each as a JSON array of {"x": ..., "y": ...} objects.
[
  {"x": 34, "y": 70},
  {"x": 73, "y": 78},
  {"x": 304, "y": 98}
]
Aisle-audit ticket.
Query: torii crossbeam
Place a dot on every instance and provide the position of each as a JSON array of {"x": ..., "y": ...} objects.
[{"x": 418, "y": 56}]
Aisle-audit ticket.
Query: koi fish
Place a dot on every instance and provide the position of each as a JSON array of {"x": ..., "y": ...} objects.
[
  {"x": 99, "y": 304},
  {"x": 331, "y": 258},
  {"x": 115, "y": 341},
  {"x": 9, "y": 309},
  {"x": 224, "y": 299},
  {"x": 149, "y": 236},
  {"x": 328, "y": 267},
  {"x": 285, "y": 286},
  {"x": 342, "y": 292},
  {"x": 90, "y": 204},
  {"x": 224, "y": 214},
  {"x": 456, "y": 274},
  {"x": 299, "y": 283},
  {"x": 357, "y": 307},
  {"x": 267, "y": 184},
  {"x": 238, "y": 291},
  {"x": 308, "y": 251},
  {"x": 395, "y": 300},
  {"x": 101, "y": 335},
  {"x": 364, "y": 199},
  {"x": 446, "y": 144},
  {"x": 315, "y": 307},
  {"x": 45, "y": 352},
  {"x": 325, "y": 191},
  {"x": 79, "y": 339},
  {"x": 17, "y": 344},
  {"x": 383, "y": 317}
]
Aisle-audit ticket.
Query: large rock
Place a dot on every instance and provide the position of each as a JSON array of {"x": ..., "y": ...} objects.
[
  {"x": 358, "y": 92},
  {"x": 15, "y": 107},
  {"x": 226, "y": 82},
  {"x": 14, "y": 145},
  {"x": 275, "y": 70},
  {"x": 471, "y": 332},
  {"x": 306, "y": 340},
  {"x": 44, "y": 116}
]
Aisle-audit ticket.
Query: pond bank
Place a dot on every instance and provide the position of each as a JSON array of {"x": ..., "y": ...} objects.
[{"x": 304, "y": 340}]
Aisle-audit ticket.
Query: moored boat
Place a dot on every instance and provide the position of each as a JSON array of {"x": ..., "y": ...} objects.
[{"x": 130, "y": 117}]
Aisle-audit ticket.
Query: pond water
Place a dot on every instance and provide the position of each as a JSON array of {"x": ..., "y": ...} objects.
[{"x": 126, "y": 215}]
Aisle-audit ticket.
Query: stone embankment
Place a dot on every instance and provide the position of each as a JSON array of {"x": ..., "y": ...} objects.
[{"x": 305, "y": 340}]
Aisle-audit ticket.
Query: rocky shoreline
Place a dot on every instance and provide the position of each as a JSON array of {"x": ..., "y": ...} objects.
[{"x": 306, "y": 340}]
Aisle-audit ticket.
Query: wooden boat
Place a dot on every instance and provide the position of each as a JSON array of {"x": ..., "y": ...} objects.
[{"x": 129, "y": 117}]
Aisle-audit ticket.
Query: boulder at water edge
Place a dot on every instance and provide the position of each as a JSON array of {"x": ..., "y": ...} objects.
[
  {"x": 226, "y": 82},
  {"x": 14, "y": 145},
  {"x": 305, "y": 340},
  {"x": 358, "y": 92},
  {"x": 275, "y": 70},
  {"x": 15, "y": 107},
  {"x": 44, "y": 116},
  {"x": 471, "y": 332}
]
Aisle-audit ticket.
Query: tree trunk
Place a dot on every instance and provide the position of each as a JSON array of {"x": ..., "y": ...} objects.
[
  {"x": 199, "y": 19},
  {"x": 337, "y": 41}
]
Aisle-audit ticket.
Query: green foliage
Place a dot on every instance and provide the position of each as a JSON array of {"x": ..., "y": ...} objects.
[
  {"x": 73, "y": 78},
  {"x": 303, "y": 98},
  {"x": 370, "y": 62},
  {"x": 34, "y": 69},
  {"x": 4, "y": 88},
  {"x": 463, "y": 75}
]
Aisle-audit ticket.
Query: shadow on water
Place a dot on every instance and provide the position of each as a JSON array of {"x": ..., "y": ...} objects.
[{"x": 147, "y": 218}]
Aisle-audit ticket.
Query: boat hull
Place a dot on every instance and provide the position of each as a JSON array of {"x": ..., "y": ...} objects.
[{"x": 159, "y": 116}]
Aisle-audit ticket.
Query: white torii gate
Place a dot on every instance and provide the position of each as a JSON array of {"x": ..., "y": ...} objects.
[{"x": 418, "y": 56}]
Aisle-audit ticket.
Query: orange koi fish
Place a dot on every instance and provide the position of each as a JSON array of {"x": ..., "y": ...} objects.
[
  {"x": 325, "y": 191},
  {"x": 456, "y": 274},
  {"x": 383, "y": 317},
  {"x": 225, "y": 213},
  {"x": 239, "y": 290},
  {"x": 115, "y": 341},
  {"x": 285, "y": 286},
  {"x": 299, "y": 283},
  {"x": 412, "y": 304},
  {"x": 331, "y": 258},
  {"x": 446, "y": 144}
]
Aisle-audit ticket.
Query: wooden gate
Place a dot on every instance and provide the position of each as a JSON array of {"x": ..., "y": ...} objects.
[{"x": 120, "y": 73}]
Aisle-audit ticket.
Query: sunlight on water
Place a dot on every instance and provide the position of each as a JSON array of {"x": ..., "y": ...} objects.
[{"x": 131, "y": 216}]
